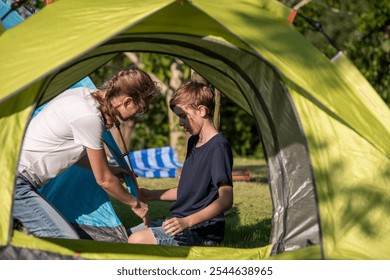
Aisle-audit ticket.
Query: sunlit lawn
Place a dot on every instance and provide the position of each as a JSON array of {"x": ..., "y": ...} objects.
[{"x": 248, "y": 222}]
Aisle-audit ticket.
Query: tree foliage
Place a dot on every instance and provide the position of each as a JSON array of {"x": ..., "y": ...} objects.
[
  {"x": 359, "y": 28},
  {"x": 241, "y": 130}
]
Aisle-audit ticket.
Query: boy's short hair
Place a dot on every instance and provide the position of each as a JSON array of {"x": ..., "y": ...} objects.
[{"x": 193, "y": 94}]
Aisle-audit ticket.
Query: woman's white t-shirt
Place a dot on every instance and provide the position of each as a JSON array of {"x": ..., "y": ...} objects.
[{"x": 57, "y": 137}]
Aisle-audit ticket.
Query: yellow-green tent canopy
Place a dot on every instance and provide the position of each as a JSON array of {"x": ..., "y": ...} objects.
[{"x": 325, "y": 131}]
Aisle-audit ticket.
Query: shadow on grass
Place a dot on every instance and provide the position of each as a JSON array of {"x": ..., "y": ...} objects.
[{"x": 245, "y": 236}]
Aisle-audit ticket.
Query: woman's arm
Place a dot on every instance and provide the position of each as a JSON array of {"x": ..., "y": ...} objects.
[
  {"x": 116, "y": 170},
  {"x": 223, "y": 203},
  {"x": 112, "y": 185}
]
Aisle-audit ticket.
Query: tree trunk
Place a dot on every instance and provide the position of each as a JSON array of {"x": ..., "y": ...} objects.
[
  {"x": 177, "y": 136},
  {"x": 217, "y": 109}
]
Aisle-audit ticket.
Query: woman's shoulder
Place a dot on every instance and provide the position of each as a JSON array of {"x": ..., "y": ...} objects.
[
  {"x": 77, "y": 101},
  {"x": 78, "y": 92}
]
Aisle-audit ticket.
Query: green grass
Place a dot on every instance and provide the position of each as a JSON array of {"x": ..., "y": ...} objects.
[{"x": 248, "y": 222}]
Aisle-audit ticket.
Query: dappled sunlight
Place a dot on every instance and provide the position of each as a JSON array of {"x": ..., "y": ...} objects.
[{"x": 353, "y": 202}]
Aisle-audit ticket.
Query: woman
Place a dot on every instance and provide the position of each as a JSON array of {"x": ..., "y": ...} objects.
[{"x": 70, "y": 130}]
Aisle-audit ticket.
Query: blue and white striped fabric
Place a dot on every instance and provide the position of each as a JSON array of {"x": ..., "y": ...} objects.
[{"x": 155, "y": 162}]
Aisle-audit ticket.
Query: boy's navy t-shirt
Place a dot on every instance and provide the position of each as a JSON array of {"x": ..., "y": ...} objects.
[{"x": 204, "y": 169}]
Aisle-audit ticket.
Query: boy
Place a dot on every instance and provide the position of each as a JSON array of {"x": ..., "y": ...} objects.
[{"x": 205, "y": 189}]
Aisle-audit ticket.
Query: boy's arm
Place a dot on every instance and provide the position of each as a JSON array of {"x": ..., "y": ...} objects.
[
  {"x": 165, "y": 195},
  {"x": 220, "y": 205}
]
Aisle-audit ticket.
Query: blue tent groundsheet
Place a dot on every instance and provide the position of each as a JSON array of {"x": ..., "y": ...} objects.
[{"x": 9, "y": 18}]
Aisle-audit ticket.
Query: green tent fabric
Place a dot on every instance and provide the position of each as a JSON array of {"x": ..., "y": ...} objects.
[{"x": 325, "y": 131}]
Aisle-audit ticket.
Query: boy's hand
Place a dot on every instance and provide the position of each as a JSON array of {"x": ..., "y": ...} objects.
[{"x": 175, "y": 225}]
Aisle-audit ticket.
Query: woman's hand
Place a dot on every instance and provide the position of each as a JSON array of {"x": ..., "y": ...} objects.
[
  {"x": 175, "y": 225},
  {"x": 142, "y": 211}
]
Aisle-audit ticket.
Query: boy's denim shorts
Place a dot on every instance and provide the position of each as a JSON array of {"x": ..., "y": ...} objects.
[{"x": 162, "y": 238}]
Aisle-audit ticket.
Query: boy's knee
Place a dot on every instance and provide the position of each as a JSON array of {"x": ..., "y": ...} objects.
[
  {"x": 141, "y": 237},
  {"x": 135, "y": 237}
]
